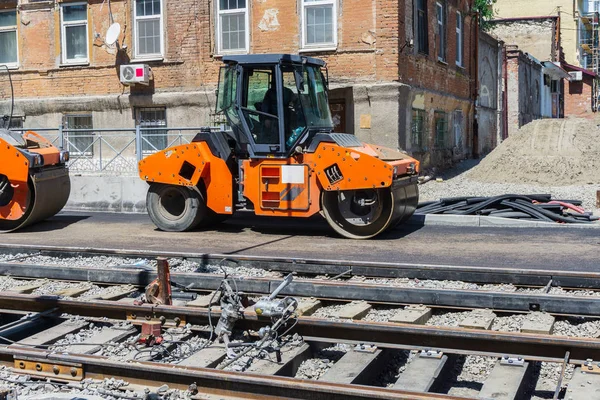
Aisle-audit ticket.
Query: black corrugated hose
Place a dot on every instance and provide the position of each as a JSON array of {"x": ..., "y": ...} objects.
[{"x": 515, "y": 206}]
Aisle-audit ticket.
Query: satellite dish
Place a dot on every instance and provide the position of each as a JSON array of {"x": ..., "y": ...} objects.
[{"x": 112, "y": 34}]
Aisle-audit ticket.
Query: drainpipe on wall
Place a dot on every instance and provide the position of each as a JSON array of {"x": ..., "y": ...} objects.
[
  {"x": 499, "y": 94},
  {"x": 505, "y": 96},
  {"x": 475, "y": 92}
]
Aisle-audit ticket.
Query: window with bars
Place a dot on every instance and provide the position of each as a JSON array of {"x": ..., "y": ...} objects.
[
  {"x": 418, "y": 129},
  {"x": 422, "y": 34},
  {"x": 232, "y": 26},
  {"x": 148, "y": 25},
  {"x": 9, "y": 54},
  {"x": 74, "y": 33},
  {"x": 152, "y": 117},
  {"x": 319, "y": 23},
  {"x": 441, "y": 127},
  {"x": 459, "y": 39},
  {"x": 79, "y": 143},
  {"x": 441, "y": 31}
]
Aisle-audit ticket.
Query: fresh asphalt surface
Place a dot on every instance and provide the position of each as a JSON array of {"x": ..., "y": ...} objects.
[{"x": 520, "y": 248}]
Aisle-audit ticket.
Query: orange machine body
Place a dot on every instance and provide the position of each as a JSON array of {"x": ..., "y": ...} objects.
[
  {"x": 292, "y": 187},
  {"x": 16, "y": 167},
  {"x": 19, "y": 169},
  {"x": 277, "y": 186},
  {"x": 279, "y": 156},
  {"x": 192, "y": 165}
]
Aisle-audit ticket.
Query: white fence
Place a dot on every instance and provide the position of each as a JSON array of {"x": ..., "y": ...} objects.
[{"x": 115, "y": 150}]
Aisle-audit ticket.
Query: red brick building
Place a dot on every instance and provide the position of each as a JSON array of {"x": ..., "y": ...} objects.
[
  {"x": 402, "y": 71},
  {"x": 579, "y": 100}
]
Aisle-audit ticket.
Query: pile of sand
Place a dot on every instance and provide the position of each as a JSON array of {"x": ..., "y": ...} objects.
[{"x": 552, "y": 152}]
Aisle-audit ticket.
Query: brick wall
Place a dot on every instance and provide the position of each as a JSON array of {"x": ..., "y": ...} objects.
[
  {"x": 525, "y": 85},
  {"x": 440, "y": 85},
  {"x": 536, "y": 36},
  {"x": 424, "y": 70},
  {"x": 367, "y": 45},
  {"x": 372, "y": 50},
  {"x": 578, "y": 95}
]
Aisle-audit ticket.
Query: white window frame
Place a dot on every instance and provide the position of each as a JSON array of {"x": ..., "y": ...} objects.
[
  {"x": 441, "y": 26},
  {"x": 459, "y": 39},
  {"x": 320, "y": 46},
  {"x": 14, "y": 28},
  {"x": 220, "y": 12},
  {"x": 152, "y": 56},
  {"x": 63, "y": 25}
]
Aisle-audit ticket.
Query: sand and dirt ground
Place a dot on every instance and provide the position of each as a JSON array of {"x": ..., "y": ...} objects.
[{"x": 556, "y": 156}]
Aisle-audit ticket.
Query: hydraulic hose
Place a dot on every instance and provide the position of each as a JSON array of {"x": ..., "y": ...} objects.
[{"x": 535, "y": 206}]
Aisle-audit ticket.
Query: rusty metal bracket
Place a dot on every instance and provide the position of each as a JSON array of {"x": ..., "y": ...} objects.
[
  {"x": 590, "y": 366},
  {"x": 159, "y": 291},
  {"x": 43, "y": 368}
]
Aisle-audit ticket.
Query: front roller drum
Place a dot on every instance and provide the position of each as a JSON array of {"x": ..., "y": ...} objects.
[
  {"x": 48, "y": 192},
  {"x": 366, "y": 213}
]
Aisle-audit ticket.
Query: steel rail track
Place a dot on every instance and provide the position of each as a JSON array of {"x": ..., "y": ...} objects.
[
  {"x": 587, "y": 306},
  {"x": 223, "y": 383},
  {"x": 306, "y": 266},
  {"x": 38, "y": 312},
  {"x": 532, "y": 346},
  {"x": 387, "y": 336}
]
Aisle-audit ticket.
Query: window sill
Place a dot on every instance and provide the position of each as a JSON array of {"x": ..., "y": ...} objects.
[
  {"x": 80, "y": 64},
  {"x": 10, "y": 66},
  {"x": 149, "y": 59},
  {"x": 229, "y": 53},
  {"x": 317, "y": 49},
  {"x": 442, "y": 62}
]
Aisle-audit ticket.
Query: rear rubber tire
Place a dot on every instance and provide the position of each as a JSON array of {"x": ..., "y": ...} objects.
[
  {"x": 330, "y": 206},
  {"x": 175, "y": 208}
]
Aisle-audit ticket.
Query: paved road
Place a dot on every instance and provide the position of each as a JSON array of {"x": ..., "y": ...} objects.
[{"x": 571, "y": 249}]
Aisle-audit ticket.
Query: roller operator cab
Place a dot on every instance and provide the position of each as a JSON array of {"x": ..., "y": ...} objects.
[{"x": 279, "y": 158}]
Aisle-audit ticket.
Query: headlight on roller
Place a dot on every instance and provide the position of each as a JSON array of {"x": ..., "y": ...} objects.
[
  {"x": 38, "y": 160},
  {"x": 64, "y": 156}
]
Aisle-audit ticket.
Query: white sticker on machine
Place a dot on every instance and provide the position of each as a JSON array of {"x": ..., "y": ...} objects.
[{"x": 292, "y": 173}]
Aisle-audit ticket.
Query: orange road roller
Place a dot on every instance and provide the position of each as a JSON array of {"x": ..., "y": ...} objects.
[
  {"x": 34, "y": 181},
  {"x": 279, "y": 157}
]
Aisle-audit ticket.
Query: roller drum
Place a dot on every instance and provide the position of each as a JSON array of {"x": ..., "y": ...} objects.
[
  {"x": 49, "y": 191},
  {"x": 363, "y": 214}
]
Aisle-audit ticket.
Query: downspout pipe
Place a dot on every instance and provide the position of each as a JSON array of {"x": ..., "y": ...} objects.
[{"x": 475, "y": 89}]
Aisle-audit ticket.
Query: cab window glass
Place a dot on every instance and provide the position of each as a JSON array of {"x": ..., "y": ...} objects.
[{"x": 259, "y": 106}]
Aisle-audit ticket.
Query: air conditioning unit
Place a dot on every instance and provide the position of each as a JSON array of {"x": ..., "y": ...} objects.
[
  {"x": 576, "y": 75},
  {"x": 132, "y": 74}
]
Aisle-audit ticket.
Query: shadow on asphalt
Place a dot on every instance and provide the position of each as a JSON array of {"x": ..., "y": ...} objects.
[
  {"x": 290, "y": 227},
  {"x": 54, "y": 223}
]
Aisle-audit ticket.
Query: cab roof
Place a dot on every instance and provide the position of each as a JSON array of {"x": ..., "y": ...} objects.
[{"x": 271, "y": 59}]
